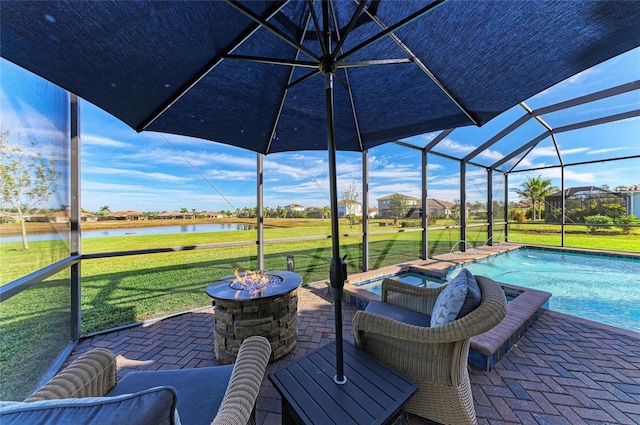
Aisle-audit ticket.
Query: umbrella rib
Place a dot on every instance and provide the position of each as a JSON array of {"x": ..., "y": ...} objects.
[
  {"x": 388, "y": 30},
  {"x": 373, "y": 63},
  {"x": 200, "y": 75},
  {"x": 303, "y": 78},
  {"x": 264, "y": 23},
  {"x": 353, "y": 110},
  {"x": 421, "y": 65},
  {"x": 347, "y": 31},
  {"x": 274, "y": 61},
  {"x": 316, "y": 23},
  {"x": 286, "y": 88}
]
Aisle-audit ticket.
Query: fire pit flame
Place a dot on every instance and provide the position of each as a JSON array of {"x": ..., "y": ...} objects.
[{"x": 251, "y": 281}]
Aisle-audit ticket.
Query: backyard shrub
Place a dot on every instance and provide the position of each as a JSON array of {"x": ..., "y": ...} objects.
[
  {"x": 595, "y": 222},
  {"x": 626, "y": 222},
  {"x": 517, "y": 215},
  {"x": 411, "y": 223}
]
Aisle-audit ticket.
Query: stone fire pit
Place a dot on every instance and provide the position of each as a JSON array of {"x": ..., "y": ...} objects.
[{"x": 266, "y": 307}]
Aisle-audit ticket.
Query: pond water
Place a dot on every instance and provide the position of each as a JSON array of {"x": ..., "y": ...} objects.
[{"x": 140, "y": 231}]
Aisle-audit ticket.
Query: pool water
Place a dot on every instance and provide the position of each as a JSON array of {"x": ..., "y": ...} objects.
[
  {"x": 416, "y": 279},
  {"x": 602, "y": 288}
]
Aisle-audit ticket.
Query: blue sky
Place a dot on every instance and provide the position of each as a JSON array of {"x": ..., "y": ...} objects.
[{"x": 125, "y": 170}]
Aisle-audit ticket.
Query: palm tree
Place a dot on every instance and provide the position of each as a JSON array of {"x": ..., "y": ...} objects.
[
  {"x": 104, "y": 210},
  {"x": 536, "y": 189}
]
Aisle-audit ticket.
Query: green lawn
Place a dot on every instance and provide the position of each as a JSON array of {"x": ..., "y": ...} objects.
[{"x": 127, "y": 289}]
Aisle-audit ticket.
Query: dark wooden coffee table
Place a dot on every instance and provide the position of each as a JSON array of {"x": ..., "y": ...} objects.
[{"x": 373, "y": 393}]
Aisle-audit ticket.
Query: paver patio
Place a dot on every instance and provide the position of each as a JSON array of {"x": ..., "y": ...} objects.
[{"x": 563, "y": 371}]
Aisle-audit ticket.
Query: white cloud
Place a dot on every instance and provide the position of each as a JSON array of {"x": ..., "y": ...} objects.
[
  {"x": 94, "y": 140},
  {"x": 574, "y": 151},
  {"x": 491, "y": 155},
  {"x": 397, "y": 173},
  {"x": 452, "y": 146},
  {"x": 135, "y": 174},
  {"x": 599, "y": 151},
  {"x": 230, "y": 175},
  {"x": 460, "y": 149},
  {"x": 542, "y": 151}
]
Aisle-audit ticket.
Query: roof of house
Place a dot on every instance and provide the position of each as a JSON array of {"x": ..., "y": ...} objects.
[
  {"x": 123, "y": 214},
  {"x": 573, "y": 190},
  {"x": 396, "y": 194},
  {"x": 437, "y": 202},
  {"x": 634, "y": 188}
]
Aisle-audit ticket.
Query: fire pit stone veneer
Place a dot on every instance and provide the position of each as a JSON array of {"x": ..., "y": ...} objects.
[{"x": 269, "y": 311}]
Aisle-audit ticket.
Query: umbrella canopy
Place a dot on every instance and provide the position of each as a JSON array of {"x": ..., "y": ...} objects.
[
  {"x": 274, "y": 76},
  {"x": 175, "y": 67}
]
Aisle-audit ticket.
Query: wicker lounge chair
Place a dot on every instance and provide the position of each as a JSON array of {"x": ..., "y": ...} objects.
[
  {"x": 88, "y": 391},
  {"x": 434, "y": 357}
]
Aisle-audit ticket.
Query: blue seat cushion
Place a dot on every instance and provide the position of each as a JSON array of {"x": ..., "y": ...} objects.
[
  {"x": 155, "y": 405},
  {"x": 200, "y": 391},
  {"x": 400, "y": 314}
]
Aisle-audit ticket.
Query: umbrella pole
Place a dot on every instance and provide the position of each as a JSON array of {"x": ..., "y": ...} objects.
[{"x": 338, "y": 268}]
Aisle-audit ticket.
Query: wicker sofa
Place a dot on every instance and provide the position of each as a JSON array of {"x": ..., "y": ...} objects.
[
  {"x": 87, "y": 391},
  {"x": 434, "y": 357}
]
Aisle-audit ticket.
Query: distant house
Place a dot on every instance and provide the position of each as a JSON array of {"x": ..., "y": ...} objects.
[
  {"x": 294, "y": 207},
  {"x": 633, "y": 199},
  {"x": 174, "y": 214},
  {"x": 211, "y": 214},
  {"x": 124, "y": 215},
  {"x": 314, "y": 212},
  {"x": 435, "y": 207},
  {"x": 373, "y": 212},
  {"x": 39, "y": 218},
  {"x": 56, "y": 217},
  {"x": 346, "y": 208},
  {"x": 294, "y": 210},
  {"x": 438, "y": 208},
  {"x": 523, "y": 206},
  {"x": 61, "y": 217},
  {"x": 384, "y": 204},
  {"x": 476, "y": 210},
  {"x": 88, "y": 218}
]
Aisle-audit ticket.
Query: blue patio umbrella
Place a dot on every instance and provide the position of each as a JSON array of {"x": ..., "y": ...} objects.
[{"x": 275, "y": 76}]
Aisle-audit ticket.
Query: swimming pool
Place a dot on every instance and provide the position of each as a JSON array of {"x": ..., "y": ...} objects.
[
  {"x": 411, "y": 278},
  {"x": 602, "y": 288}
]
